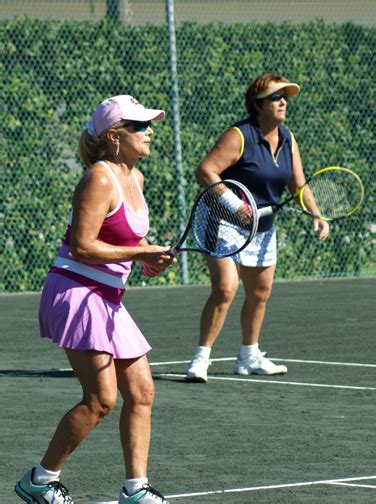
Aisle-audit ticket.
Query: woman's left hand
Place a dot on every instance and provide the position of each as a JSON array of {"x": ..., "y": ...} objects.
[
  {"x": 151, "y": 270},
  {"x": 322, "y": 227}
]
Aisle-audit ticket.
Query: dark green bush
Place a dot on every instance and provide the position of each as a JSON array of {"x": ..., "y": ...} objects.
[{"x": 56, "y": 73}]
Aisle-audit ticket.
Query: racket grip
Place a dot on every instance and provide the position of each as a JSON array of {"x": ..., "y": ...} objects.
[
  {"x": 173, "y": 251},
  {"x": 262, "y": 212}
]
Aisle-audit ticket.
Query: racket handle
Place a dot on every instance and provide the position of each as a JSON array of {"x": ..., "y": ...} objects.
[
  {"x": 269, "y": 210},
  {"x": 173, "y": 251}
]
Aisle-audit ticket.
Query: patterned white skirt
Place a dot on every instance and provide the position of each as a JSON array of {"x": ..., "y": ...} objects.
[{"x": 261, "y": 252}]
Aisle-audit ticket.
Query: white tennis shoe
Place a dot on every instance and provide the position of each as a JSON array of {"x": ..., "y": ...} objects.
[
  {"x": 198, "y": 370},
  {"x": 145, "y": 495},
  {"x": 54, "y": 492},
  {"x": 259, "y": 365}
]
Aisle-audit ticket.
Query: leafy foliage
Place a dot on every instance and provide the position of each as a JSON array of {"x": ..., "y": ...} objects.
[{"x": 55, "y": 73}]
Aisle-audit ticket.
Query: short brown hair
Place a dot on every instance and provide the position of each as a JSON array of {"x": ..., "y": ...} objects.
[{"x": 261, "y": 83}]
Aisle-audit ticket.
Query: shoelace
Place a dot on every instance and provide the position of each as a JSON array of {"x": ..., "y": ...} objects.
[
  {"x": 153, "y": 491},
  {"x": 59, "y": 487},
  {"x": 260, "y": 357},
  {"x": 201, "y": 359}
]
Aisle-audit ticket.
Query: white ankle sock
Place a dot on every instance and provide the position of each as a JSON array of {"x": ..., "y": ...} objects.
[
  {"x": 42, "y": 476},
  {"x": 249, "y": 351},
  {"x": 132, "y": 485},
  {"x": 203, "y": 351}
]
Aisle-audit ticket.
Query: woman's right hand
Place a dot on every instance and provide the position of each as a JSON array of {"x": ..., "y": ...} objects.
[{"x": 245, "y": 214}]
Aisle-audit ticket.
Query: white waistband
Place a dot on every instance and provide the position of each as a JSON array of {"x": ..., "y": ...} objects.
[{"x": 89, "y": 272}]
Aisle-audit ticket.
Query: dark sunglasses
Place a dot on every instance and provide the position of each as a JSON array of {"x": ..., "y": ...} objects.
[
  {"x": 138, "y": 125},
  {"x": 278, "y": 97}
]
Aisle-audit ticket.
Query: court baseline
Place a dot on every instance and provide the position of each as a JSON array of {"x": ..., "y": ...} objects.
[
  {"x": 341, "y": 481},
  {"x": 259, "y": 380},
  {"x": 297, "y": 361}
]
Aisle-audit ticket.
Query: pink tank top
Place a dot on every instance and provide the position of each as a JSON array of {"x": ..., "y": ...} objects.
[{"x": 122, "y": 227}]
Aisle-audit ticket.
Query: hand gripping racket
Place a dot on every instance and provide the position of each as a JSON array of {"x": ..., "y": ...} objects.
[
  {"x": 329, "y": 194},
  {"x": 223, "y": 221}
]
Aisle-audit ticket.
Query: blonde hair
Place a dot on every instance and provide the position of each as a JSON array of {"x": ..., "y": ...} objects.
[
  {"x": 91, "y": 149},
  {"x": 261, "y": 83}
]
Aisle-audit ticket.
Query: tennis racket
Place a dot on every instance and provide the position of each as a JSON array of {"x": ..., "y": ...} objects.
[
  {"x": 223, "y": 221},
  {"x": 329, "y": 194}
]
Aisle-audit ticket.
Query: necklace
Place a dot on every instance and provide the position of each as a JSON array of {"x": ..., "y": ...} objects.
[
  {"x": 131, "y": 186},
  {"x": 130, "y": 183}
]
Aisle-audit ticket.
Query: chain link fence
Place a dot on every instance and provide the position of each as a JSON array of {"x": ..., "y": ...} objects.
[{"x": 60, "y": 59}]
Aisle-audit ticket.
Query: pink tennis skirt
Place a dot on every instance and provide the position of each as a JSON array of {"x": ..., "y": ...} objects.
[{"x": 74, "y": 317}]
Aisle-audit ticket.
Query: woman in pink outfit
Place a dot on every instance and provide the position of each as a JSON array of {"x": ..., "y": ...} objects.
[{"x": 81, "y": 309}]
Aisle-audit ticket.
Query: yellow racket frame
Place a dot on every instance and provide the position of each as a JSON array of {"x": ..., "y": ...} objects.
[{"x": 336, "y": 168}]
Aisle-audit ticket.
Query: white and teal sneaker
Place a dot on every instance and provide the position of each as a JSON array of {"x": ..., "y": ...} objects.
[
  {"x": 145, "y": 495},
  {"x": 52, "y": 493}
]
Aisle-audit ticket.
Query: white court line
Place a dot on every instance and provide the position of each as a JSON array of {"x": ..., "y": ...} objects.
[
  {"x": 222, "y": 359},
  {"x": 271, "y": 487},
  {"x": 259, "y": 380},
  {"x": 352, "y": 485},
  {"x": 299, "y": 361},
  {"x": 266, "y": 487}
]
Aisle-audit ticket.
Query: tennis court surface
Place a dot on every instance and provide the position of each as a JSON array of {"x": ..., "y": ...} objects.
[{"x": 307, "y": 437}]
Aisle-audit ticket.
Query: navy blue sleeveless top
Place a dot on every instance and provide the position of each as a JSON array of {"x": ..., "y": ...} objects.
[{"x": 265, "y": 174}]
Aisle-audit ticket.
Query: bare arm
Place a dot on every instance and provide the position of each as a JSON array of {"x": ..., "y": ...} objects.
[
  {"x": 224, "y": 154},
  {"x": 94, "y": 197}
]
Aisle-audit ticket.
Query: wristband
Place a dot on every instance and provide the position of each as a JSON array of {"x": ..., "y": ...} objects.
[{"x": 230, "y": 201}]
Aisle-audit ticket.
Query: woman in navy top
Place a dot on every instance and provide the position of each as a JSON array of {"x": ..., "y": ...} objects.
[{"x": 263, "y": 155}]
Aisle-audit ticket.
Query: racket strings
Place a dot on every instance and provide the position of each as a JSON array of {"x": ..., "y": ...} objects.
[
  {"x": 336, "y": 193},
  {"x": 218, "y": 230}
]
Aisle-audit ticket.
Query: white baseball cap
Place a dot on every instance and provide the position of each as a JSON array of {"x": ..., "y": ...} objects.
[
  {"x": 291, "y": 88},
  {"x": 122, "y": 107}
]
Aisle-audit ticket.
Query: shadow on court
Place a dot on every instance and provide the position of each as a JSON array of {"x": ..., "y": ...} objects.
[
  {"x": 286, "y": 433},
  {"x": 22, "y": 373}
]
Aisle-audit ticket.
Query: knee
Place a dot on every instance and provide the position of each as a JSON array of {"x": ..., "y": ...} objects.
[
  {"x": 262, "y": 293},
  {"x": 101, "y": 405},
  {"x": 142, "y": 394},
  {"x": 224, "y": 294}
]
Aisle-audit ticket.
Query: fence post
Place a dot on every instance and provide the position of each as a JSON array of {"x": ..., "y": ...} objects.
[
  {"x": 113, "y": 9},
  {"x": 177, "y": 138}
]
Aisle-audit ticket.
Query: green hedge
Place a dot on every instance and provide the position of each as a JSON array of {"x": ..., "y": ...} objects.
[{"x": 55, "y": 73}]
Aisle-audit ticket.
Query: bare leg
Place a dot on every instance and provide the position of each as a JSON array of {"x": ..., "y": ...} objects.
[
  {"x": 258, "y": 284},
  {"x": 137, "y": 389},
  {"x": 225, "y": 281},
  {"x": 96, "y": 373}
]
